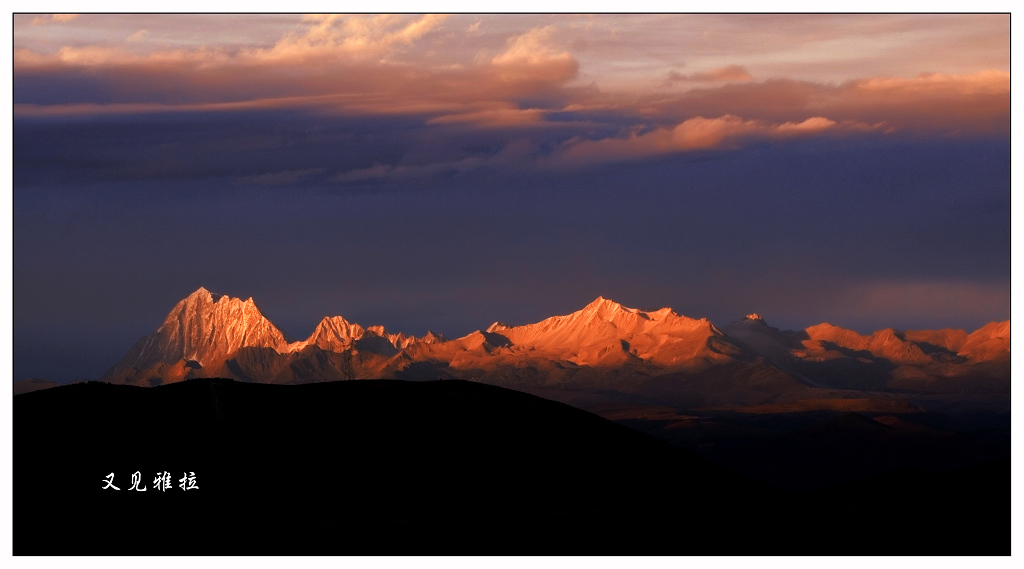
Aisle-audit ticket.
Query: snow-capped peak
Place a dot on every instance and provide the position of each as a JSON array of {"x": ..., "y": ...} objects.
[
  {"x": 497, "y": 327},
  {"x": 205, "y": 328}
]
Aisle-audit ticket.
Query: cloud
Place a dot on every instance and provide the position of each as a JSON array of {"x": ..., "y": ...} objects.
[
  {"x": 498, "y": 115},
  {"x": 403, "y": 171},
  {"x": 323, "y": 38},
  {"x": 282, "y": 178},
  {"x": 334, "y": 35},
  {"x": 348, "y": 64},
  {"x": 988, "y": 82},
  {"x": 697, "y": 133},
  {"x": 727, "y": 73},
  {"x": 453, "y": 73},
  {"x": 965, "y": 103},
  {"x": 100, "y": 57},
  {"x": 137, "y": 36},
  {"x": 516, "y": 151},
  {"x": 359, "y": 174},
  {"x": 532, "y": 56},
  {"x": 93, "y": 109},
  {"x": 813, "y": 124},
  {"x": 53, "y": 19}
]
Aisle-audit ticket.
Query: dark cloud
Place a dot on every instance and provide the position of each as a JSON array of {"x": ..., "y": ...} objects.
[{"x": 238, "y": 146}]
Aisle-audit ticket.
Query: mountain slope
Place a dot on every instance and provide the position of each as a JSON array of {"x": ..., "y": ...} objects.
[
  {"x": 990, "y": 342},
  {"x": 205, "y": 329},
  {"x": 606, "y": 333}
]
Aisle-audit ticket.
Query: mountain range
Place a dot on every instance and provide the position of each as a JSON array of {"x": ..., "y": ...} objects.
[{"x": 646, "y": 355}]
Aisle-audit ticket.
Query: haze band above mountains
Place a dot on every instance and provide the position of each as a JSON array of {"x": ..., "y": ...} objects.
[{"x": 654, "y": 355}]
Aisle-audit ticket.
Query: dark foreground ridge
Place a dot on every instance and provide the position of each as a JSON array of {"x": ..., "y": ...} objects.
[{"x": 444, "y": 467}]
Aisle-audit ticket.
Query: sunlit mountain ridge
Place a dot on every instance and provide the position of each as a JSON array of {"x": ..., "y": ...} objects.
[{"x": 653, "y": 354}]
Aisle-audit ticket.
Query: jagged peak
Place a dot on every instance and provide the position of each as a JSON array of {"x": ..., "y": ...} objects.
[
  {"x": 661, "y": 313},
  {"x": 333, "y": 320},
  {"x": 204, "y": 327},
  {"x": 202, "y": 293},
  {"x": 498, "y": 327},
  {"x": 434, "y": 338},
  {"x": 754, "y": 316},
  {"x": 606, "y": 308},
  {"x": 602, "y": 302}
]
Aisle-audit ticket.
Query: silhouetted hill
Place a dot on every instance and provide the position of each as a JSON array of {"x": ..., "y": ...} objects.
[
  {"x": 393, "y": 467},
  {"x": 32, "y": 384}
]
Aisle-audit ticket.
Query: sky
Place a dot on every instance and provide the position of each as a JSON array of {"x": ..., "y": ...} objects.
[{"x": 445, "y": 172}]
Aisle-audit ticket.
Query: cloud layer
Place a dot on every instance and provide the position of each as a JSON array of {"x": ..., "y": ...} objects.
[{"x": 506, "y": 71}]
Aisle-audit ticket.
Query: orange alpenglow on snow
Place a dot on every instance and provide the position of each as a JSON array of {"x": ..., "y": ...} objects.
[{"x": 605, "y": 345}]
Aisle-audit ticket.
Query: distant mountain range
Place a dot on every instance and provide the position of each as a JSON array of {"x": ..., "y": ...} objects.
[{"x": 657, "y": 356}]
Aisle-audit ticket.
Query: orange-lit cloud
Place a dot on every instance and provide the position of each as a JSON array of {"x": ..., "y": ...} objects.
[
  {"x": 989, "y": 82},
  {"x": 416, "y": 65},
  {"x": 976, "y": 102},
  {"x": 108, "y": 56},
  {"x": 813, "y": 124},
  {"x": 696, "y": 133},
  {"x": 335, "y": 35},
  {"x": 533, "y": 57},
  {"x": 339, "y": 38},
  {"x": 350, "y": 64},
  {"x": 494, "y": 115}
]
